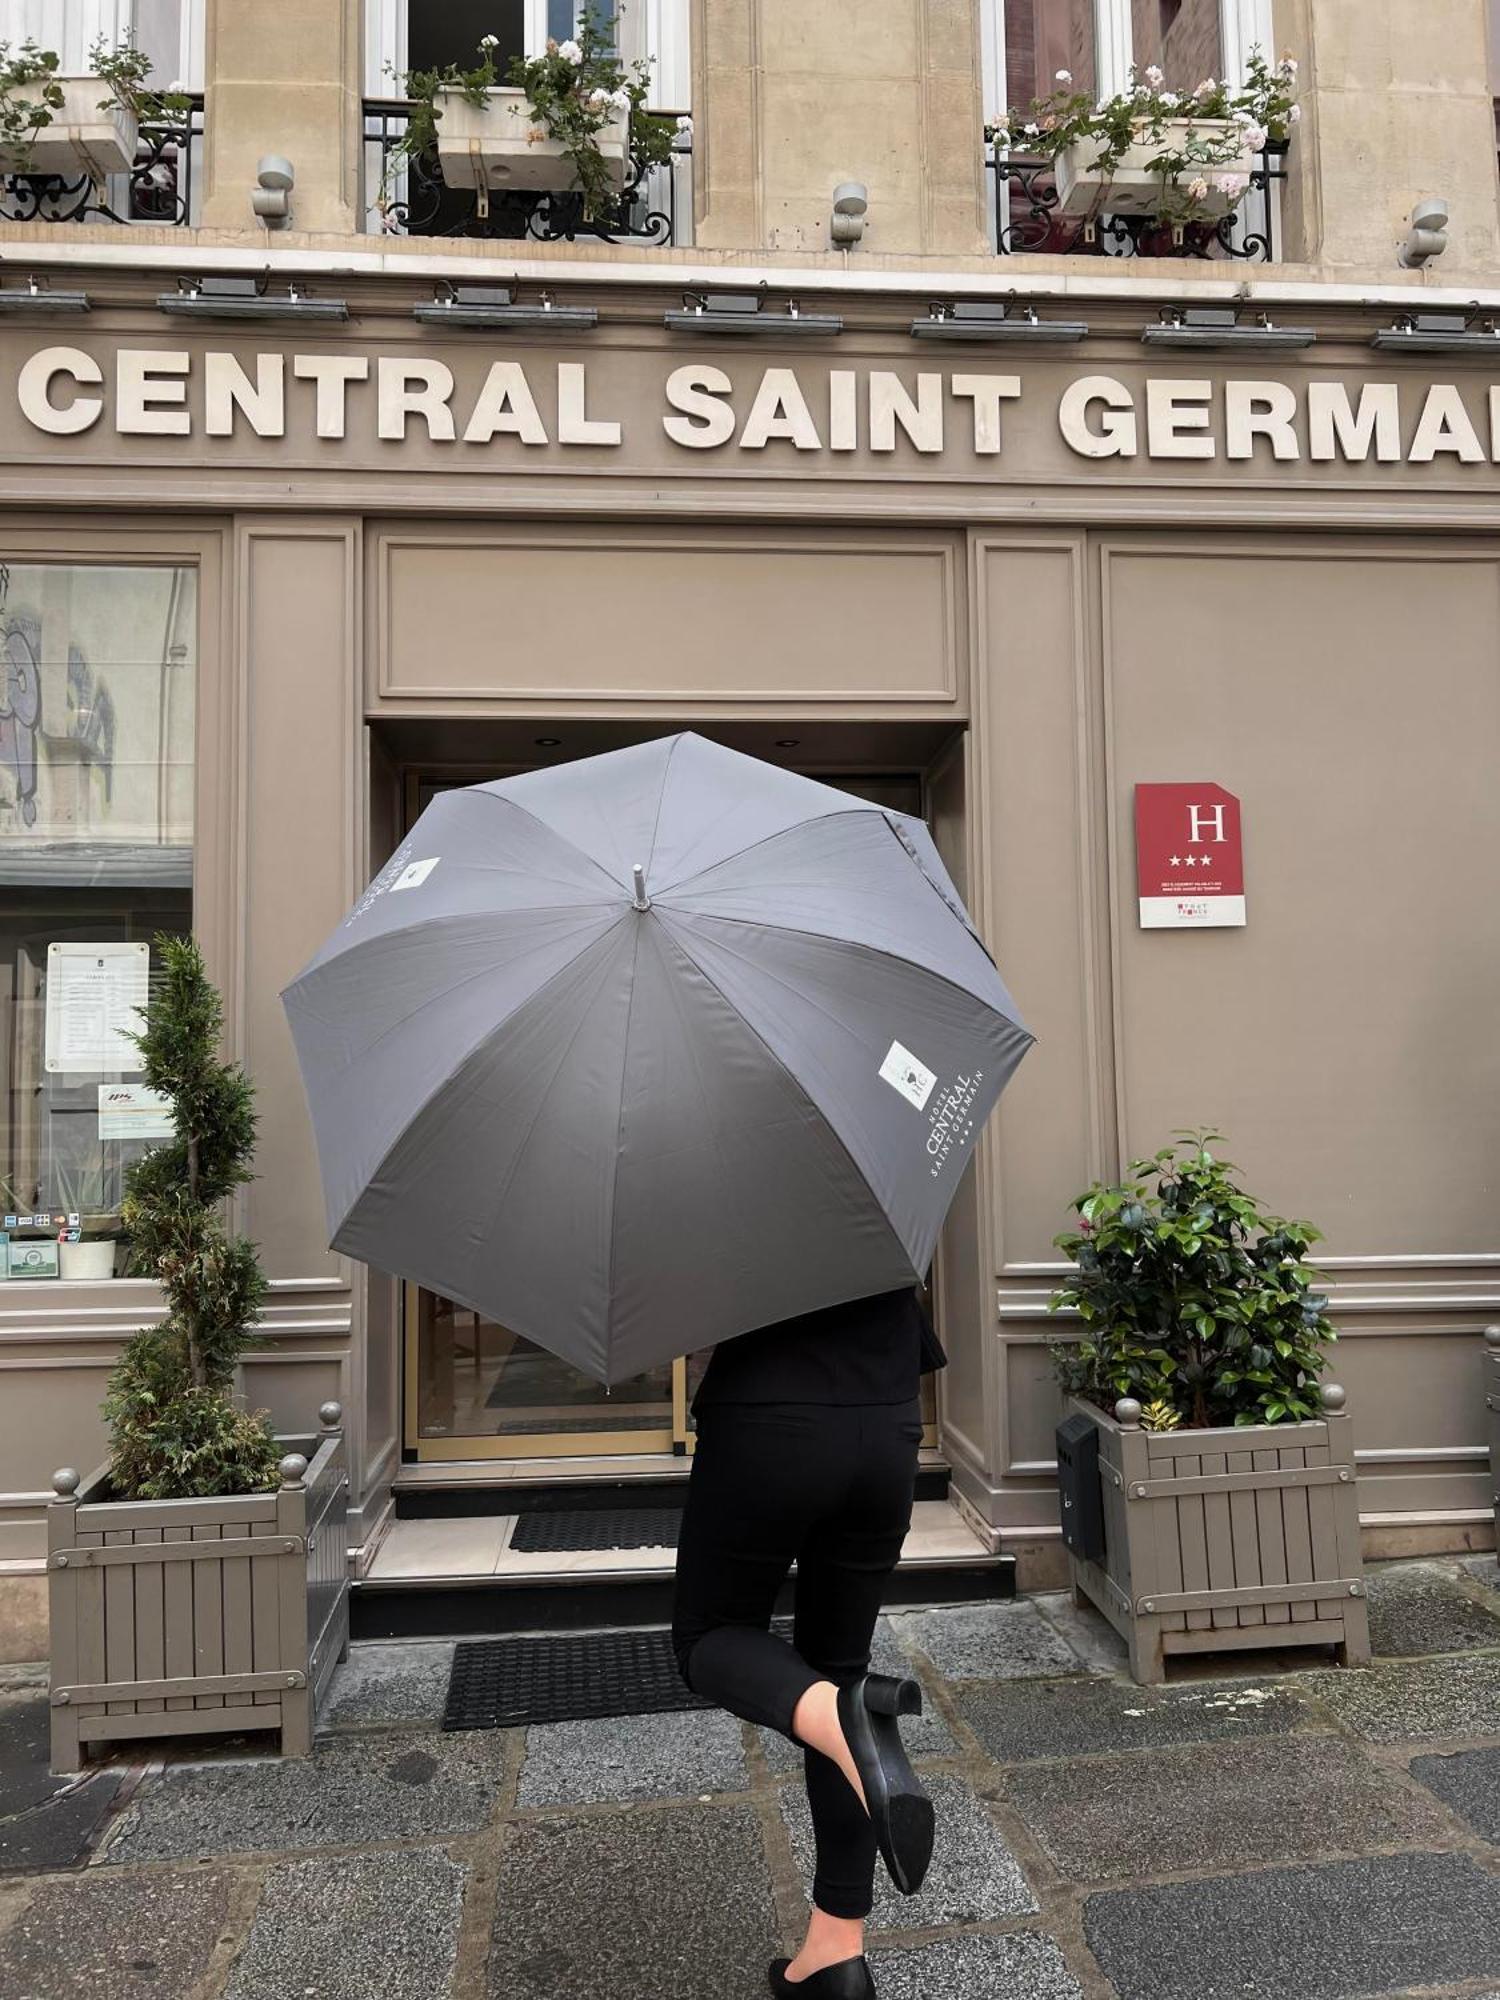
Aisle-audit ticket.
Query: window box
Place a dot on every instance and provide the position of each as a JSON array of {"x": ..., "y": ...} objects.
[
  {"x": 168, "y": 1621},
  {"x": 491, "y": 145},
  {"x": 1222, "y": 1540},
  {"x": 1135, "y": 188},
  {"x": 90, "y": 133}
]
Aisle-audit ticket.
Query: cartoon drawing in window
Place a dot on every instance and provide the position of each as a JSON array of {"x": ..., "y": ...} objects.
[{"x": 20, "y": 709}]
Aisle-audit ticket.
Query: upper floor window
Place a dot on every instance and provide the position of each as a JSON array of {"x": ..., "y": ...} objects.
[
  {"x": 414, "y": 198},
  {"x": 150, "y": 170}
]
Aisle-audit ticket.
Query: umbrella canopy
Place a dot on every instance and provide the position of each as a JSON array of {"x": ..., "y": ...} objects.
[{"x": 640, "y": 1052}]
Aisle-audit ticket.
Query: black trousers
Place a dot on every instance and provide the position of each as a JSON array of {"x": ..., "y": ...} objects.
[{"x": 830, "y": 1488}]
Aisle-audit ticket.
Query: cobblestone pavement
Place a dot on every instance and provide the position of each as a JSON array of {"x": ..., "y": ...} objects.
[{"x": 1286, "y": 1831}]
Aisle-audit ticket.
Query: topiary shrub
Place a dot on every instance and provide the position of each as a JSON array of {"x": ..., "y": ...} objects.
[
  {"x": 176, "y": 1431},
  {"x": 1193, "y": 1301}
]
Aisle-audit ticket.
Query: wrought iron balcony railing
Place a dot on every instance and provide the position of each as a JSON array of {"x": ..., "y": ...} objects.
[
  {"x": 160, "y": 188},
  {"x": 1024, "y": 210},
  {"x": 655, "y": 206}
]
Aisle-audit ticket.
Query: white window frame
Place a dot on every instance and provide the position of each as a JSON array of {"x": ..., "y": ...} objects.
[
  {"x": 1244, "y": 25},
  {"x": 663, "y": 30}
]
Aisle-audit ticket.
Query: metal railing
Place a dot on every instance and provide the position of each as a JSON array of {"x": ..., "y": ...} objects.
[
  {"x": 655, "y": 205},
  {"x": 160, "y": 188},
  {"x": 1025, "y": 218}
]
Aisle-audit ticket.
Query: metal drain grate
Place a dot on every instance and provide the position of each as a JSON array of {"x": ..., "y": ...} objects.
[
  {"x": 576, "y": 1529},
  {"x": 504, "y": 1683}
]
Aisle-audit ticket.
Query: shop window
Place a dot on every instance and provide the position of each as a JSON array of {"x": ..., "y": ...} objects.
[{"x": 97, "y": 671}]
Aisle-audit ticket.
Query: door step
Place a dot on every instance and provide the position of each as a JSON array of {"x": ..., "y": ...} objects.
[{"x": 449, "y": 1576}]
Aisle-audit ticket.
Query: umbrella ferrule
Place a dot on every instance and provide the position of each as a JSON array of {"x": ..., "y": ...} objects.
[{"x": 641, "y": 899}]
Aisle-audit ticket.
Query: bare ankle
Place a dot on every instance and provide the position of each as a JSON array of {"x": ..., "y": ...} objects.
[{"x": 829, "y": 1941}]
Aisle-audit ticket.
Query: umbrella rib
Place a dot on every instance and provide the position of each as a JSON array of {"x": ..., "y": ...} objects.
[
  {"x": 614, "y": 1179},
  {"x": 666, "y": 771},
  {"x": 872, "y": 951},
  {"x": 841, "y": 812},
  {"x": 448, "y": 1075},
  {"x": 504, "y": 798},
  {"x": 796, "y": 1082}
]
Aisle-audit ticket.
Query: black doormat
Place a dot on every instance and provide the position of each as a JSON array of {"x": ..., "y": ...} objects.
[
  {"x": 581, "y": 1528},
  {"x": 503, "y": 1683},
  {"x": 570, "y": 1677}
]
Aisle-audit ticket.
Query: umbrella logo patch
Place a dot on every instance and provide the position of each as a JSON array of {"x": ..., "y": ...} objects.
[
  {"x": 902, "y": 1071},
  {"x": 417, "y": 872}
]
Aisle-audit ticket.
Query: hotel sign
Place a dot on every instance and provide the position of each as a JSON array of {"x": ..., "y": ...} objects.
[
  {"x": 474, "y": 405},
  {"x": 1189, "y": 865}
]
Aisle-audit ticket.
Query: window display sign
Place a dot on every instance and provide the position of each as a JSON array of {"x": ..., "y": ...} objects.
[
  {"x": 1189, "y": 862},
  {"x": 94, "y": 992},
  {"x": 134, "y": 1111}
]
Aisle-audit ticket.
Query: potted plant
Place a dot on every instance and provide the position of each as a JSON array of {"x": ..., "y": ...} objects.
[
  {"x": 1227, "y": 1514},
  {"x": 573, "y": 117},
  {"x": 197, "y": 1581},
  {"x": 1179, "y": 157},
  {"x": 52, "y": 124},
  {"x": 88, "y": 1250}
]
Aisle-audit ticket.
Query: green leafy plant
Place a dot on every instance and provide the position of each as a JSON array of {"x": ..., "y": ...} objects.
[
  {"x": 1195, "y": 138},
  {"x": 31, "y": 94},
  {"x": 1160, "y": 1416},
  {"x": 575, "y": 89},
  {"x": 1190, "y": 1296},
  {"x": 176, "y": 1431}
]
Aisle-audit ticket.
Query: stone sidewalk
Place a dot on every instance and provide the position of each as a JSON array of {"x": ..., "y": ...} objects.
[{"x": 1281, "y": 1832}]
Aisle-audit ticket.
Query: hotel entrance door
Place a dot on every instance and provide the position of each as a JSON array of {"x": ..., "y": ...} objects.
[{"x": 477, "y": 1389}]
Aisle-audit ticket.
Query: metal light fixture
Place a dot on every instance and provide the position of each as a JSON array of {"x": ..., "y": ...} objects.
[
  {"x": 979, "y": 320},
  {"x": 1439, "y": 333},
  {"x": 740, "y": 312},
  {"x": 1221, "y": 326},
  {"x": 493, "y": 306},
  {"x": 35, "y": 297},
  {"x": 246, "y": 298}
]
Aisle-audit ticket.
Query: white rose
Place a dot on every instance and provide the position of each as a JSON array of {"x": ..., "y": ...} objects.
[
  {"x": 489, "y": 41},
  {"x": 1154, "y": 77},
  {"x": 1289, "y": 65},
  {"x": 598, "y": 100},
  {"x": 1198, "y": 189},
  {"x": 176, "y": 88},
  {"x": 1255, "y": 137},
  {"x": 619, "y": 100},
  {"x": 1206, "y": 88},
  {"x": 1169, "y": 97},
  {"x": 1293, "y": 114},
  {"x": 1002, "y": 136},
  {"x": 1063, "y": 76},
  {"x": 570, "y": 52},
  {"x": 685, "y": 126},
  {"x": 1233, "y": 185},
  {"x": 1031, "y": 131}
]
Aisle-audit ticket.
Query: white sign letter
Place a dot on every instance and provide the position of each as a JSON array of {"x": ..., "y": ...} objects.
[
  {"x": 333, "y": 373},
  {"x": 505, "y": 405},
  {"x": 843, "y": 418},
  {"x": 1200, "y": 817},
  {"x": 1171, "y": 409},
  {"x": 574, "y": 424},
  {"x": 1444, "y": 425},
  {"x": 34, "y": 387},
  {"x": 706, "y": 420},
  {"x": 1260, "y": 409},
  {"x": 227, "y": 388},
  {"x": 988, "y": 392},
  {"x": 1116, "y": 435},
  {"x": 140, "y": 391},
  {"x": 780, "y": 411},
  {"x": 891, "y": 405},
  {"x": 414, "y": 389},
  {"x": 1335, "y": 429}
]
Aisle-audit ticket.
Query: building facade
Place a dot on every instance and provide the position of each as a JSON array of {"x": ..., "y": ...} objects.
[{"x": 275, "y": 573}]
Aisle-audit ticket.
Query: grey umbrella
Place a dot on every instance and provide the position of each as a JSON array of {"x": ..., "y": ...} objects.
[{"x": 646, "y": 1050}]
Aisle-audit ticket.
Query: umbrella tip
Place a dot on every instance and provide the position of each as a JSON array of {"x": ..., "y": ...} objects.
[{"x": 642, "y": 900}]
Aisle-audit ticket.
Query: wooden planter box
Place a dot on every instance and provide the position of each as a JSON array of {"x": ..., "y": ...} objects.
[
  {"x": 1492, "y": 1398},
  {"x": 81, "y": 138},
  {"x": 490, "y": 145},
  {"x": 1134, "y": 188},
  {"x": 198, "y": 1617},
  {"x": 1225, "y": 1540}
]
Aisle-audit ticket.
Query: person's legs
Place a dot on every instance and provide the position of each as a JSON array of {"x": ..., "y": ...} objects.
[
  {"x": 842, "y": 1570},
  {"x": 761, "y": 1474}
]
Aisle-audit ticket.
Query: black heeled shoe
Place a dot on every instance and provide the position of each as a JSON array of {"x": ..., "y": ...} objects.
[
  {"x": 900, "y": 1810},
  {"x": 848, "y": 1980}
]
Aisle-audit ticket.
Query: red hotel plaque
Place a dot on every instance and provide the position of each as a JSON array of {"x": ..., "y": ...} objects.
[{"x": 1189, "y": 865}]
